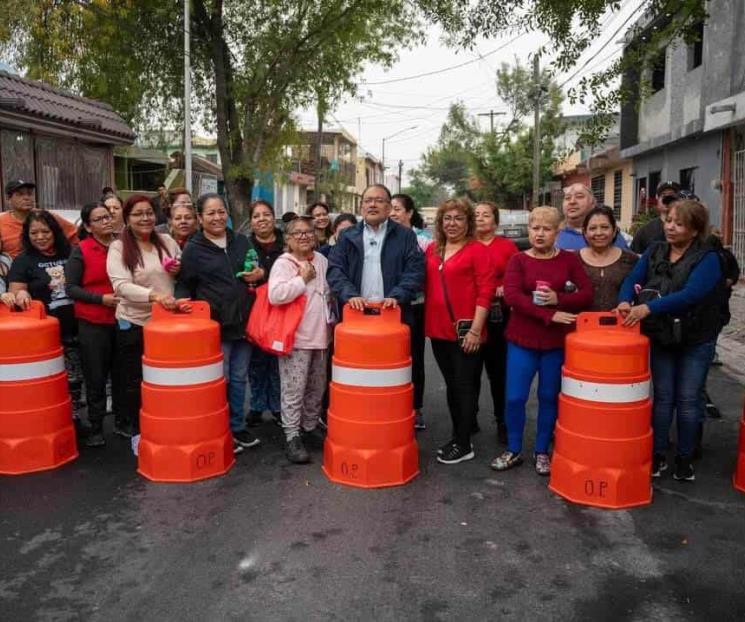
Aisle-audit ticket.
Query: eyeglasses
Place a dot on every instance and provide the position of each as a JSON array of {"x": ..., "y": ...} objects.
[
  {"x": 302, "y": 234},
  {"x": 142, "y": 215},
  {"x": 454, "y": 219},
  {"x": 104, "y": 218},
  {"x": 374, "y": 200}
]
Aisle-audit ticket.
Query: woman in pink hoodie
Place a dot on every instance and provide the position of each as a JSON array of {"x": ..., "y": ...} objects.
[{"x": 302, "y": 373}]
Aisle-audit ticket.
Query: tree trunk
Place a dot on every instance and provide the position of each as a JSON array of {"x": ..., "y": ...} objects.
[{"x": 239, "y": 195}]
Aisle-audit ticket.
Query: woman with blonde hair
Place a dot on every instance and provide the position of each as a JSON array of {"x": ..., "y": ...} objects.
[
  {"x": 459, "y": 287},
  {"x": 545, "y": 287}
]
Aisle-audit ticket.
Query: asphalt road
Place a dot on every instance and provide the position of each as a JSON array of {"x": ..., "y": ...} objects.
[{"x": 272, "y": 541}]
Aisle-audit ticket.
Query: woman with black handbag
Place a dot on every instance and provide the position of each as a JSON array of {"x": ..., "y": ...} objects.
[
  {"x": 678, "y": 287},
  {"x": 459, "y": 288},
  {"x": 495, "y": 349}
]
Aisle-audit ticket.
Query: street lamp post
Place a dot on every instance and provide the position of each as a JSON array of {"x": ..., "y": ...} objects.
[{"x": 413, "y": 127}]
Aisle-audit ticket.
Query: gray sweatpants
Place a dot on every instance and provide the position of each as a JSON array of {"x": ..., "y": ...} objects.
[{"x": 302, "y": 377}]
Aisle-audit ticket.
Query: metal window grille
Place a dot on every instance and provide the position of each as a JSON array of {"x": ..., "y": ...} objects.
[
  {"x": 738, "y": 216},
  {"x": 617, "y": 193},
  {"x": 598, "y": 188}
]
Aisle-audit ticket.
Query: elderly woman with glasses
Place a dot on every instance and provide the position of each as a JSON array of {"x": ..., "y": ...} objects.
[{"x": 302, "y": 271}]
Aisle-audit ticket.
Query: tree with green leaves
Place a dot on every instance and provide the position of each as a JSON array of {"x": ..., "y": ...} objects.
[
  {"x": 497, "y": 165},
  {"x": 424, "y": 192},
  {"x": 253, "y": 63}
]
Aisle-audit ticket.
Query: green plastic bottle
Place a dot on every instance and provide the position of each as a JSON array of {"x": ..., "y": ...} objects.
[{"x": 251, "y": 262}]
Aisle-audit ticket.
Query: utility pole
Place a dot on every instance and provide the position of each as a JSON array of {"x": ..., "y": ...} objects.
[
  {"x": 400, "y": 173},
  {"x": 536, "y": 131},
  {"x": 187, "y": 95},
  {"x": 491, "y": 114}
]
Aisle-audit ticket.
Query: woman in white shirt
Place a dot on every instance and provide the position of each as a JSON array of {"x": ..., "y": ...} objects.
[{"x": 142, "y": 265}]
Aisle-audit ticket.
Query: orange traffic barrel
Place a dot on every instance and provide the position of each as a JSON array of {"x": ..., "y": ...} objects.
[
  {"x": 185, "y": 433},
  {"x": 603, "y": 438},
  {"x": 36, "y": 428},
  {"x": 370, "y": 441},
  {"x": 739, "y": 478}
]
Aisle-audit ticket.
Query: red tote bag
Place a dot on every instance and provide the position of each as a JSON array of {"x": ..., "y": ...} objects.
[{"x": 273, "y": 327}]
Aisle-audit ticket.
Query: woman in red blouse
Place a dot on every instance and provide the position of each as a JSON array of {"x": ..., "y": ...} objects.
[
  {"x": 495, "y": 349},
  {"x": 460, "y": 284},
  {"x": 545, "y": 287}
]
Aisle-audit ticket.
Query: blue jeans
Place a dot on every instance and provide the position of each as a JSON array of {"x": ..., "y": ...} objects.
[
  {"x": 522, "y": 366},
  {"x": 236, "y": 356},
  {"x": 679, "y": 378},
  {"x": 263, "y": 376}
]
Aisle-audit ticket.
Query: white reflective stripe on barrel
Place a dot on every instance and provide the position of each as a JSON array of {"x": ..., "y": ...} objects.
[
  {"x": 10, "y": 372},
  {"x": 604, "y": 392},
  {"x": 182, "y": 376},
  {"x": 357, "y": 377}
]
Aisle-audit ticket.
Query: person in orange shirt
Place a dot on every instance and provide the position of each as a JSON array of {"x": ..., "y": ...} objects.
[{"x": 22, "y": 200}]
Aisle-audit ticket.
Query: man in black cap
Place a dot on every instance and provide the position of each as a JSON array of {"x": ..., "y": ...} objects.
[
  {"x": 20, "y": 201},
  {"x": 654, "y": 230}
]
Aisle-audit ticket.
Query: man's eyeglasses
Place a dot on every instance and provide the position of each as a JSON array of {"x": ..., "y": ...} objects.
[
  {"x": 104, "y": 218},
  {"x": 374, "y": 200}
]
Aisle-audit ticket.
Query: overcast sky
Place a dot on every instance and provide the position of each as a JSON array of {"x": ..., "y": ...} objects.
[{"x": 387, "y": 105}]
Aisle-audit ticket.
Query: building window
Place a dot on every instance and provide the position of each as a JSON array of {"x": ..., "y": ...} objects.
[
  {"x": 657, "y": 78},
  {"x": 696, "y": 48},
  {"x": 617, "y": 193},
  {"x": 654, "y": 181},
  {"x": 641, "y": 195},
  {"x": 688, "y": 179},
  {"x": 598, "y": 188}
]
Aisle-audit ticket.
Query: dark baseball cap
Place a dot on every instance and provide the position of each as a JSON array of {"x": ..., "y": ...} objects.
[
  {"x": 667, "y": 185},
  {"x": 17, "y": 184}
]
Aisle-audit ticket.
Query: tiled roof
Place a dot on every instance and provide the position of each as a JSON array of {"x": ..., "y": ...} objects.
[{"x": 40, "y": 100}]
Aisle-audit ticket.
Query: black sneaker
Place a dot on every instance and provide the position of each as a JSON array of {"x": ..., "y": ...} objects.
[
  {"x": 244, "y": 438},
  {"x": 277, "y": 417},
  {"x": 254, "y": 418},
  {"x": 95, "y": 439},
  {"x": 296, "y": 452},
  {"x": 659, "y": 464},
  {"x": 683, "y": 470},
  {"x": 446, "y": 447},
  {"x": 455, "y": 454},
  {"x": 123, "y": 429},
  {"x": 314, "y": 438}
]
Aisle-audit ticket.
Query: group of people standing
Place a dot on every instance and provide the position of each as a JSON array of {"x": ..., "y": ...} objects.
[{"x": 483, "y": 304}]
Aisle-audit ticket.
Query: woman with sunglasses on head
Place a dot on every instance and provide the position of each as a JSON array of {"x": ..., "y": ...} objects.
[
  {"x": 181, "y": 219},
  {"x": 213, "y": 269},
  {"x": 607, "y": 265},
  {"x": 89, "y": 286},
  {"x": 677, "y": 288},
  {"x": 142, "y": 265},
  {"x": 301, "y": 271}
]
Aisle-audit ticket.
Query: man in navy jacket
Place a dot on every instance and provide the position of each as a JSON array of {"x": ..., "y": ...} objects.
[{"x": 377, "y": 260}]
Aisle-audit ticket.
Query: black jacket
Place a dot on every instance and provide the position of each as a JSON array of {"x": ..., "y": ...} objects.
[
  {"x": 208, "y": 273},
  {"x": 267, "y": 257},
  {"x": 648, "y": 234}
]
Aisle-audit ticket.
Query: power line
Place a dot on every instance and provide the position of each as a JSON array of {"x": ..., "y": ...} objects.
[
  {"x": 612, "y": 37},
  {"x": 445, "y": 69}
]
